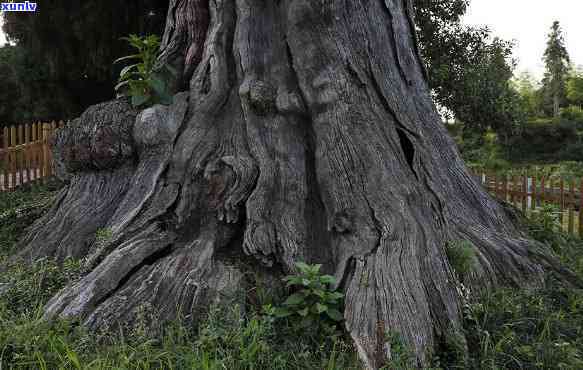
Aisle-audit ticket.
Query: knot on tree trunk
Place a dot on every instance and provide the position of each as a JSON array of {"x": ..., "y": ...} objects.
[
  {"x": 260, "y": 96},
  {"x": 290, "y": 103},
  {"x": 101, "y": 139}
]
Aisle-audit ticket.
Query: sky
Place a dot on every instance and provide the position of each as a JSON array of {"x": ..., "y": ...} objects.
[{"x": 528, "y": 23}]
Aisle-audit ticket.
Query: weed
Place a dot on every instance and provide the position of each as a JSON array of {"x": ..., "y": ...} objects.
[
  {"x": 142, "y": 81},
  {"x": 461, "y": 256},
  {"x": 314, "y": 306}
]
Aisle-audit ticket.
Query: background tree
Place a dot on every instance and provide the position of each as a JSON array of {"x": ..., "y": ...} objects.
[
  {"x": 556, "y": 60},
  {"x": 527, "y": 87},
  {"x": 469, "y": 72},
  {"x": 69, "y": 48},
  {"x": 575, "y": 88}
]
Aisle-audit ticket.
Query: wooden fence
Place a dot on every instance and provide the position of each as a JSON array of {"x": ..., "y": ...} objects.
[
  {"x": 25, "y": 155},
  {"x": 528, "y": 192}
]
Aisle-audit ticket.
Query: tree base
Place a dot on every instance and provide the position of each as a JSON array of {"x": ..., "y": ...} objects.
[{"x": 308, "y": 134}]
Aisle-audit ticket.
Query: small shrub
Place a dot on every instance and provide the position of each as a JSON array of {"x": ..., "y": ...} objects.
[
  {"x": 28, "y": 287},
  {"x": 141, "y": 81},
  {"x": 461, "y": 256},
  {"x": 520, "y": 329},
  {"x": 314, "y": 306},
  {"x": 13, "y": 224},
  {"x": 573, "y": 114},
  {"x": 401, "y": 356},
  {"x": 545, "y": 221}
]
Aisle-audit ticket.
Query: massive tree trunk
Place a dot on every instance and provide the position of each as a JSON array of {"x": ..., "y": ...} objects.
[{"x": 306, "y": 133}]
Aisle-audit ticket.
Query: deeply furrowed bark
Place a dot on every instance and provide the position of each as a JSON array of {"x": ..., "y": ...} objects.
[{"x": 307, "y": 134}]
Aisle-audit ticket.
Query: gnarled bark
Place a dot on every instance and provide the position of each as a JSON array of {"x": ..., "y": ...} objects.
[{"x": 307, "y": 134}]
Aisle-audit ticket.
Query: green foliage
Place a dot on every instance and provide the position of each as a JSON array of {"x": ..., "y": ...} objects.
[
  {"x": 462, "y": 257},
  {"x": 141, "y": 81},
  {"x": 401, "y": 355},
  {"x": 27, "y": 287},
  {"x": 527, "y": 87},
  {"x": 541, "y": 329},
  {"x": 24, "y": 94},
  {"x": 65, "y": 54},
  {"x": 11, "y": 224},
  {"x": 531, "y": 328},
  {"x": 469, "y": 71},
  {"x": 545, "y": 221},
  {"x": 573, "y": 114},
  {"x": 483, "y": 150},
  {"x": 314, "y": 306},
  {"x": 575, "y": 88},
  {"x": 224, "y": 340},
  {"x": 103, "y": 235},
  {"x": 556, "y": 60}
]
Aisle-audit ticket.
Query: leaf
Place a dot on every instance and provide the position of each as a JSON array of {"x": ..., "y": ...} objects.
[
  {"x": 166, "y": 99},
  {"x": 139, "y": 99},
  {"x": 281, "y": 312},
  {"x": 315, "y": 268},
  {"x": 136, "y": 76},
  {"x": 135, "y": 56},
  {"x": 294, "y": 300},
  {"x": 121, "y": 84},
  {"x": 305, "y": 312},
  {"x": 321, "y": 308},
  {"x": 126, "y": 69},
  {"x": 303, "y": 267},
  {"x": 327, "y": 279},
  {"x": 158, "y": 85},
  {"x": 334, "y": 314}
]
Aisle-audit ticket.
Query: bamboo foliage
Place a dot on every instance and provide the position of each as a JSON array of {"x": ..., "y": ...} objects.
[{"x": 25, "y": 155}]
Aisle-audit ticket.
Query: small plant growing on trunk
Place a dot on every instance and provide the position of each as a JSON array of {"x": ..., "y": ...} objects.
[{"x": 141, "y": 81}]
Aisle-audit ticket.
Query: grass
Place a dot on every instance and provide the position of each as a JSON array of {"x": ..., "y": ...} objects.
[
  {"x": 11, "y": 226},
  {"x": 506, "y": 328}
]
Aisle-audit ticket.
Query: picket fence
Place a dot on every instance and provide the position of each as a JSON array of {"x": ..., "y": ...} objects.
[
  {"x": 528, "y": 192},
  {"x": 25, "y": 156}
]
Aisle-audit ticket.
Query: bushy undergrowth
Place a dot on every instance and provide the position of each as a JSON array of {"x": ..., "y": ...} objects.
[
  {"x": 13, "y": 224},
  {"x": 226, "y": 339},
  {"x": 536, "y": 328},
  {"x": 506, "y": 329}
]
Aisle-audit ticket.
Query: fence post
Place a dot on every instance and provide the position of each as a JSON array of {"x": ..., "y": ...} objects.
[
  {"x": 562, "y": 202},
  {"x": 34, "y": 151},
  {"x": 52, "y": 130},
  {"x": 12, "y": 157},
  {"x": 571, "y": 206},
  {"x": 27, "y": 147},
  {"x": 45, "y": 165},
  {"x": 543, "y": 190},
  {"x": 524, "y": 193},
  {"x": 505, "y": 184},
  {"x": 6, "y": 163},
  {"x": 534, "y": 193},
  {"x": 581, "y": 209}
]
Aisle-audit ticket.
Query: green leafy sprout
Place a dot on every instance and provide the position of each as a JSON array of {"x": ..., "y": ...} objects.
[
  {"x": 314, "y": 304},
  {"x": 141, "y": 81}
]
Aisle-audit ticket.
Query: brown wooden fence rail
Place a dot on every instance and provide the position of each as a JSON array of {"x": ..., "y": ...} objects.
[
  {"x": 25, "y": 156},
  {"x": 528, "y": 192}
]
